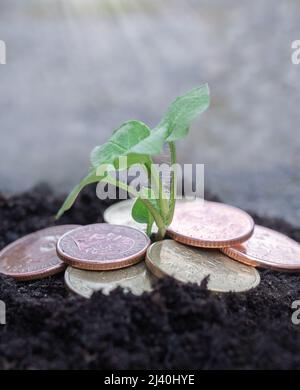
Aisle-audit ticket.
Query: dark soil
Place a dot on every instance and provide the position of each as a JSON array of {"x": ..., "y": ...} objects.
[{"x": 176, "y": 326}]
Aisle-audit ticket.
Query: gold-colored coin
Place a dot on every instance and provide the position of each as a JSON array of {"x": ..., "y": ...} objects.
[
  {"x": 136, "y": 279},
  {"x": 188, "y": 264}
]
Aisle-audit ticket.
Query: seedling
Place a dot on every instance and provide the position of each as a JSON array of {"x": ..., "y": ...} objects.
[{"x": 138, "y": 143}]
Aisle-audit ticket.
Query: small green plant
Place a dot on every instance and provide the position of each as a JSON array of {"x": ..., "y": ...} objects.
[{"x": 135, "y": 141}]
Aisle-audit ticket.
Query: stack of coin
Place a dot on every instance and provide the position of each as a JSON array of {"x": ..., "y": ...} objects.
[
  {"x": 199, "y": 228},
  {"x": 104, "y": 256},
  {"x": 215, "y": 227},
  {"x": 101, "y": 257},
  {"x": 200, "y": 224},
  {"x": 209, "y": 239}
]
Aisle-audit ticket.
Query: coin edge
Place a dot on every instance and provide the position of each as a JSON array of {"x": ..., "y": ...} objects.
[
  {"x": 160, "y": 273},
  {"x": 45, "y": 272},
  {"x": 88, "y": 265}
]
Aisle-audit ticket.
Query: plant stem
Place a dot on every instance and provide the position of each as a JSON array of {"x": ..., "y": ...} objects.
[
  {"x": 155, "y": 214},
  {"x": 149, "y": 228},
  {"x": 172, "y": 148},
  {"x": 160, "y": 235},
  {"x": 111, "y": 180},
  {"x": 154, "y": 177}
]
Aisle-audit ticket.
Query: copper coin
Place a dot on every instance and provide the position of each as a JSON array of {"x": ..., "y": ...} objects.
[
  {"x": 34, "y": 256},
  {"x": 210, "y": 225},
  {"x": 268, "y": 249},
  {"x": 103, "y": 247}
]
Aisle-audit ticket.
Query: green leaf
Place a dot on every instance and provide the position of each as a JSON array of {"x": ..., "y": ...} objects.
[
  {"x": 183, "y": 111},
  {"x": 132, "y": 159},
  {"x": 136, "y": 141},
  {"x": 121, "y": 143},
  {"x": 153, "y": 144},
  {"x": 140, "y": 207},
  {"x": 150, "y": 195},
  {"x": 176, "y": 122},
  {"x": 89, "y": 179},
  {"x": 141, "y": 214}
]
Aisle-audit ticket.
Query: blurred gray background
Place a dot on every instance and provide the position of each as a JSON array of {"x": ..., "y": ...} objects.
[{"x": 76, "y": 69}]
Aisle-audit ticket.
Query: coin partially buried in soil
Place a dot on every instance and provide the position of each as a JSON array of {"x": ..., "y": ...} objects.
[
  {"x": 103, "y": 247},
  {"x": 188, "y": 264},
  {"x": 135, "y": 279},
  {"x": 210, "y": 224},
  {"x": 268, "y": 249},
  {"x": 34, "y": 256}
]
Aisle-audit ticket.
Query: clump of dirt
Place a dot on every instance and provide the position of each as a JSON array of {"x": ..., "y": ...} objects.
[{"x": 177, "y": 326}]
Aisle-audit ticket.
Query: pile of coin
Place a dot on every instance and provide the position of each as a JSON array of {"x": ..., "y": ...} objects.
[
  {"x": 215, "y": 239},
  {"x": 208, "y": 240}
]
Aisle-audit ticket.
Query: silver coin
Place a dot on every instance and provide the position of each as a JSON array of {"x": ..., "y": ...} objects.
[
  {"x": 136, "y": 279},
  {"x": 120, "y": 214},
  {"x": 188, "y": 264}
]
